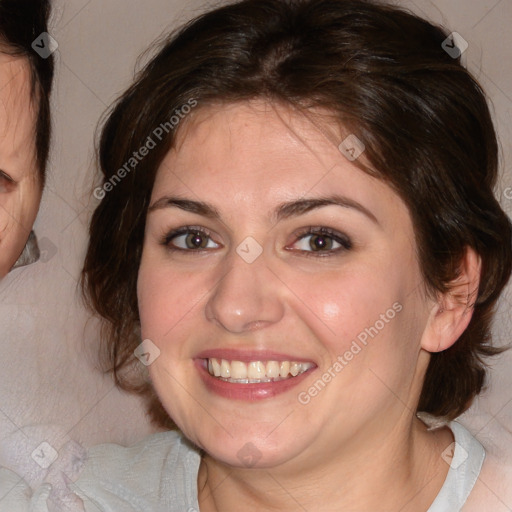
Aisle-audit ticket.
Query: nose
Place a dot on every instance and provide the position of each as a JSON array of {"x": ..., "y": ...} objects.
[{"x": 247, "y": 297}]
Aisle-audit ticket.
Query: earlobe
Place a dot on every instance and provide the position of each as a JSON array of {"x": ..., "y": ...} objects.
[{"x": 451, "y": 315}]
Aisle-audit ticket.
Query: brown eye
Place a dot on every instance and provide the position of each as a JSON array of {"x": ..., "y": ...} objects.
[
  {"x": 323, "y": 241},
  {"x": 319, "y": 242},
  {"x": 196, "y": 241},
  {"x": 188, "y": 239}
]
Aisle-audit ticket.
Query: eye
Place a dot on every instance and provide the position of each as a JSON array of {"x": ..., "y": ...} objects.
[
  {"x": 323, "y": 242},
  {"x": 188, "y": 238},
  {"x": 6, "y": 182}
]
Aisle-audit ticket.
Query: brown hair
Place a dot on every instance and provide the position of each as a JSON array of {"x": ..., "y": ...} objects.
[
  {"x": 21, "y": 22},
  {"x": 384, "y": 73}
]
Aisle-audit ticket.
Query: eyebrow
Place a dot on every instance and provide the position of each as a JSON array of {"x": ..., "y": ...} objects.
[{"x": 283, "y": 211}]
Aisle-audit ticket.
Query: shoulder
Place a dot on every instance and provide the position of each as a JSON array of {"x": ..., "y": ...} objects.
[
  {"x": 110, "y": 457},
  {"x": 480, "y": 474},
  {"x": 493, "y": 489},
  {"x": 150, "y": 475}
]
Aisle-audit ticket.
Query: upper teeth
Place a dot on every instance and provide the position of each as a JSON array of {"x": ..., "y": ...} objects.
[{"x": 256, "y": 370}]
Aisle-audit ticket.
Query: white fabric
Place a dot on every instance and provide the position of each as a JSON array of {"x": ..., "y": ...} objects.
[
  {"x": 465, "y": 467},
  {"x": 159, "y": 474}
]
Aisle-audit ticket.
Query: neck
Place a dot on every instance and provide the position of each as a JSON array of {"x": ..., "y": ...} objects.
[{"x": 401, "y": 470}]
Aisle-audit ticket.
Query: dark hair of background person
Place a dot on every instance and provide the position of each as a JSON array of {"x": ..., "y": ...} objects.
[
  {"x": 21, "y": 22},
  {"x": 384, "y": 75}
]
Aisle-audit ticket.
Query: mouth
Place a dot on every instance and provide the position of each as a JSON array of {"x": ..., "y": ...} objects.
[
  {"x": 251, "y": 376},
  {"x": 253, "y": 372}
]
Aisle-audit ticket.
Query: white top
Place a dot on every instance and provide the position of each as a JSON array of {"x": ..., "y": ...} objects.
[
  {"x": 465, "y": 466},
  {"x": 159, "y": 474}
]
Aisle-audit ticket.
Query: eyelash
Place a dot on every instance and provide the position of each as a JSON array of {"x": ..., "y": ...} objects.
[{"x": 340, "y": 238}]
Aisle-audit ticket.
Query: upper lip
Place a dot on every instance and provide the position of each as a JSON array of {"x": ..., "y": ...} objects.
[{"x": 248, "y": 355}]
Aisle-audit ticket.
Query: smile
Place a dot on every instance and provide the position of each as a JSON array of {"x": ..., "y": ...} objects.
[{"x": 239, "y": 372}]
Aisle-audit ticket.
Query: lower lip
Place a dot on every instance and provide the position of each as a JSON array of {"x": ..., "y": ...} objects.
[{"x": 248, "y": 392}]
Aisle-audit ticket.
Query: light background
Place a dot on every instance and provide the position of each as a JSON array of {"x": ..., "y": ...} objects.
[{"x": 50, "y": 389}]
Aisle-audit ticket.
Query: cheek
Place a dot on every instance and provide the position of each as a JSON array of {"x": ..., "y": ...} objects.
[
  {"x": 17, "y": 215},
  {"x": 366, "y": 314},
  {"x": 344, "y": 303},
  {"x": 369, "y": 338},
  {"x": 167, "y": 299},
  {"x": 18, "y": 208}
]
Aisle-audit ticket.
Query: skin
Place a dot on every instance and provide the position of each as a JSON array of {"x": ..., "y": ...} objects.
[
  {"x": 20, "y": 186},
  {"x": 253, "y": 157}
]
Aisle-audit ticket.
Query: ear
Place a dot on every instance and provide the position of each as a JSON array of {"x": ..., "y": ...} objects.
[{"x": 452, "y": 313}]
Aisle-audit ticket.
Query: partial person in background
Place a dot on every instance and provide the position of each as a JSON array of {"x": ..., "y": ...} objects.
[
  {"x": 26, "y": 77},
  {"x": 26, "y": 74}
]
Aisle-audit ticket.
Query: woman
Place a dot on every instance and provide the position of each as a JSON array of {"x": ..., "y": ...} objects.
[
  {"x": 297, "y": 255},
  {"x": 25, "y": 86}
]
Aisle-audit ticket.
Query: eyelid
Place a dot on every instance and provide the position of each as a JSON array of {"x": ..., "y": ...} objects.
[
  {"x": 322, "y": 230},
  {"x": 7, "y": 183},
  {"x": 4, "y": 175}
]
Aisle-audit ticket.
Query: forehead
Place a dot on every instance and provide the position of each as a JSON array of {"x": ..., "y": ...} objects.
[
  {"x": 237, "y": 129},
  {"x": 17, "y": 112},
  {"x": 15, "y": 80},
  {"x": 256, "y": 155}
]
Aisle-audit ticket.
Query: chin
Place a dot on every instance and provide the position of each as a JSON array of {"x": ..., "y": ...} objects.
[{"x": 251, "y": 451}]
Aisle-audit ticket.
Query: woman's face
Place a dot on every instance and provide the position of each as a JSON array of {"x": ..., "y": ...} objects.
[
  {"x": 20, "y": 186},
  {"x": 254, "y": 281}
]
